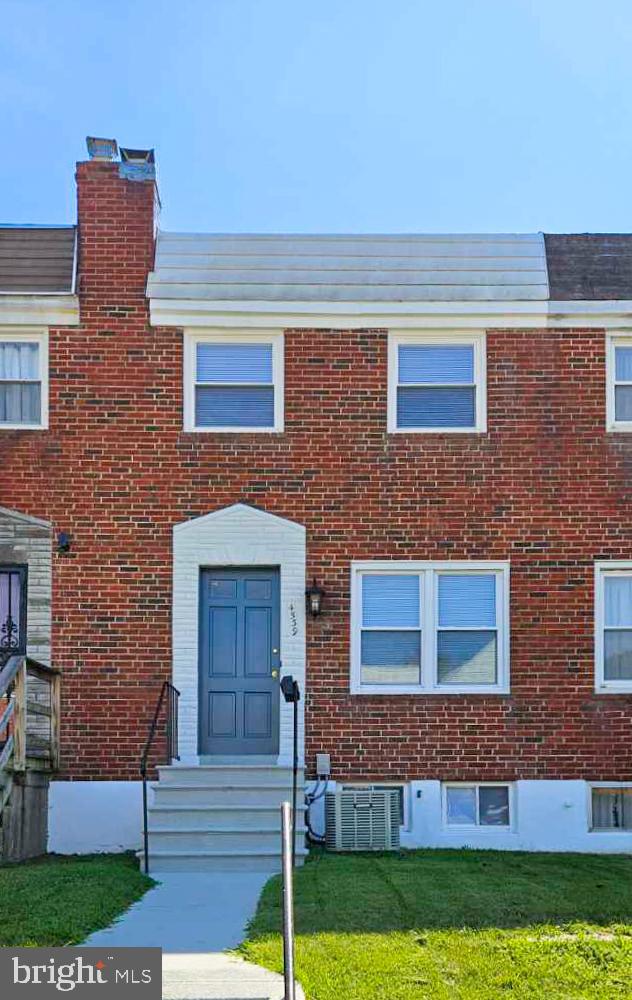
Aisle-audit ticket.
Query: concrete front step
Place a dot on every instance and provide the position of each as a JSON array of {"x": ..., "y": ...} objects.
[
  {"x": 222, "y": 793},
  {"x": 233, "y": 774},
  {"x": 216, "y": 861},
  {"x": 220, "y": 840},
  {"x": 222, "y": 817}
]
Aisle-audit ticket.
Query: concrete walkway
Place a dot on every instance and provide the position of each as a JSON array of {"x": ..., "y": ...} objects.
[{"x": 194, "y": 918}]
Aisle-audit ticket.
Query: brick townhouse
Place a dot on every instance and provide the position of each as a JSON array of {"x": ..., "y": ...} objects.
[{"x": 431, "y": 435}]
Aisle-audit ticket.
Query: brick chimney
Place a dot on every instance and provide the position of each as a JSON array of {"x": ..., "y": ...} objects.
[{"x": 117, "y": 208}]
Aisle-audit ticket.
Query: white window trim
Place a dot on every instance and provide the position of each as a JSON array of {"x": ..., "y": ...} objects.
[
  {"x": 34, "y": 336},
  {"x": 428, "y": 683},
  {"x": 612, "y": 342},
  {"x": 478, "y": 827},
  {"x": 423, "y": 337},
  {"x": 614, "y": 785},
  {"x": 602, "y": 570},
  {"x": 194, "y": 337}
]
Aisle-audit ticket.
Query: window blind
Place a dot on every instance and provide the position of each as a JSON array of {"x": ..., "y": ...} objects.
[
  {"x": 234, "y": 385},
  {"x": 436, "y": 386},
  {"x": 390, "y": 600}
]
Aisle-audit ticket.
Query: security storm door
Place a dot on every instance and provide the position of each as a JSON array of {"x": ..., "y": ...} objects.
[{"x": 239, "y": 661}]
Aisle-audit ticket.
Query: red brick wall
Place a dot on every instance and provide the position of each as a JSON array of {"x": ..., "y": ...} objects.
[{"x": 545, "y": 488}]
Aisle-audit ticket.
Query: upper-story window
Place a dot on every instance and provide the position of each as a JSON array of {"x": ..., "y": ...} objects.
[
  {"x": 619, "y": 377},
  {"x": 429, "y": 628},
  {"x": 23, "y": 381},
  {"x": 613, "y": 626},
  {"x": 233, "y": 382},
  {"x": 436, "y": 383}
]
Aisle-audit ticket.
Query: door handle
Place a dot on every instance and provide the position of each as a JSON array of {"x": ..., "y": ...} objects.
[{"x": 274, "y": 673}]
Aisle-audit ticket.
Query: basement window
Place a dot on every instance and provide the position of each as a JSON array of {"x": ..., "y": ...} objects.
[
  {"x": 23, "y": 381},
  {"x": 476, "y": 805},
  {"x": 436, "y": 383},
  {"x": 233, "y": 382},
  {"x": 611, "y": 807}
]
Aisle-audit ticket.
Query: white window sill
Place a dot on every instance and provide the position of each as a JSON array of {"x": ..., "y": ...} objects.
[
  {"x": 233, "y": 430},
  {"x": 403, "y": 689},
  {"x": 610, "y": 831},
  {"x": 456, "y": 828},
  {"x": 23, "y": 427},
  {"x": 622, "y": 427},
  {"x": 614, "y": 688},
  {"x": 437, "y": 430}
]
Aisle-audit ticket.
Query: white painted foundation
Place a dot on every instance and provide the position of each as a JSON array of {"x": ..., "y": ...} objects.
[
  {"x": 95, "y": 816},
  {"x": 86, "y": 817},
  {"x": 547, "y": 816}
]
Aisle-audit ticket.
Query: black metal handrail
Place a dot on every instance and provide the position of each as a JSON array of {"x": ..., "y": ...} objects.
[{"x": 171, "y": 694}]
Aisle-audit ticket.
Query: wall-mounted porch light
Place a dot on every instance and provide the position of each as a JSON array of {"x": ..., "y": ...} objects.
[
  {"x": 315, "y": 596},
  {"x": 63, "y": 542}
]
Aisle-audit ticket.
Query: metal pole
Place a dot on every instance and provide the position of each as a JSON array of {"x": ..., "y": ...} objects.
[
  {"x": 294, "y": 782},
  {"x": 145, "y": 831},
  {"x": 288, "y": 903}
]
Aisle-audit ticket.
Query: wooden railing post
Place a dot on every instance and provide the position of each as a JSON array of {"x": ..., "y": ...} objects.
[
  {"x": 19, "y": 717},
  {"x": 55, "y": 715}
]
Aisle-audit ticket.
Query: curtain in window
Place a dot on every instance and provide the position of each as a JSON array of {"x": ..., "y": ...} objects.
[
  {"x": 20, "y": 399},
  {"x": 612, "y": 808},
  {"x": 623, "y": 393},
  {"x": 436, "y": 386},
  {"x": 18, "y": 361},
  {"x": 234, "y": 385},
  {"x": 618, "y": 631}
]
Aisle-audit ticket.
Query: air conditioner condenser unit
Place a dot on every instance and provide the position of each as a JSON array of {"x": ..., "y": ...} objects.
[{"x": 362, "y": 819}]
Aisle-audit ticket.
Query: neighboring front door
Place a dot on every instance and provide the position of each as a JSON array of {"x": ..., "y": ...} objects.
[{"x": 239, "y": 661}]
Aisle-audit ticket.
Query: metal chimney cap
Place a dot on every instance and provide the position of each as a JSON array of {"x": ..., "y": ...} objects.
[
  {"x": 136, "y": 155},
  {"x": 101, "y": 149}
]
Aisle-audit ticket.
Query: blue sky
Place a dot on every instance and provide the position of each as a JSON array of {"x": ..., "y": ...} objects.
[{"x": 330, "y": 115}]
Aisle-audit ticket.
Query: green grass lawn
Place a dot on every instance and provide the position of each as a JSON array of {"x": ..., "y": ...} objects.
[
  {"x": 57, "y": 900},
  {"x": 455, "y": 925}
]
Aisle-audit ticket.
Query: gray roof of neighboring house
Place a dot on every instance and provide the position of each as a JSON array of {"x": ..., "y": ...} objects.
[
  {"x": 349, "y": 268},
  {"x": 37, "y": 259},
  {"x": 589, "y": 265}
]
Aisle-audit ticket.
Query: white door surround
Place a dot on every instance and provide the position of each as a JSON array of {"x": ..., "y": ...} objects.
[{"x": 238, "y": 535}]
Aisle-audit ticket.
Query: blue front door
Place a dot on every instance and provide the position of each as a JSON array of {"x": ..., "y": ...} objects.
[{"x": 239, "y": 661}]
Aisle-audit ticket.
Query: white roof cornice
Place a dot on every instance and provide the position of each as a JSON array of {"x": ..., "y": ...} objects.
[
  {"x": 611, "y": 314},
  {"x": 57, "y": 309}
]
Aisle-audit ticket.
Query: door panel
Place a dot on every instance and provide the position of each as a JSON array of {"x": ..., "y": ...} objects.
[
  {"x": 258, "y": 639},
  {"x": 222, "y": 715},
  {"x": 239, "y": 651},
  {"x": 223, "y": 641}
]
